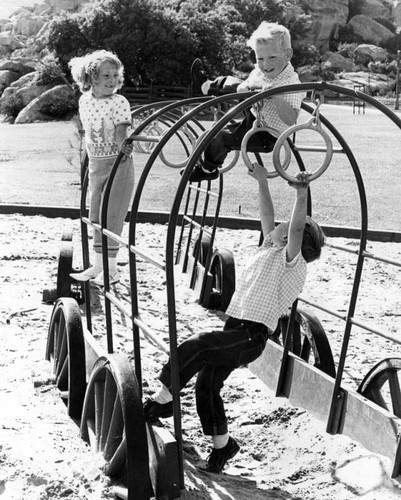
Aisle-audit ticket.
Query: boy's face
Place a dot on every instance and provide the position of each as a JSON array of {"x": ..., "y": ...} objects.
[{"x": 271, "y": 58}]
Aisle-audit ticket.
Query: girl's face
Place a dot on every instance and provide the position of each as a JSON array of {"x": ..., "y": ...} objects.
[
  {"x": 271, "y": 58},
  {"x": 106, "y": 81}
]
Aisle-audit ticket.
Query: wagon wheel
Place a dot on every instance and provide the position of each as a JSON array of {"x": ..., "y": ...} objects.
[
  {"x": 64, "y": 269},
  {"x": 201, "y": 250},
  {"x": 222, "y": 269},
  {"x": 66, "y": 350},
  {"x": 382, "y": 385},
  {"x": 309, "y": 341},
  {"x": 113, "y": 423}
]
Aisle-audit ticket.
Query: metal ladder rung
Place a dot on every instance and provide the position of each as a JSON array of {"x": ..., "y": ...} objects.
[
  {"x": 145, "y": 138},
  {"x": 197, "y": 224},
  {"x": 149, "y": 258},
  {"x": 316, "y": 149}
]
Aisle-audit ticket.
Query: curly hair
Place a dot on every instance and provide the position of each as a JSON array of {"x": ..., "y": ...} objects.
[{"x": 85, "y": 69}]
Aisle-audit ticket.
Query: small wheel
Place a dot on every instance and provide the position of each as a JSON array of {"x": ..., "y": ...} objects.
[
  {"x": 222, "y": 269},
  {"x": 382, "y": 385},
  {"x": 113, "y": 423},
  {"x": 66, "y": 350},
  {"x": 309, "y": 341},
  {"x": 64, "y": 269},
  {"x": 201, "y": 250},
  {"x": 314, "y": 125},
  {"x": 244, "y": 152}
]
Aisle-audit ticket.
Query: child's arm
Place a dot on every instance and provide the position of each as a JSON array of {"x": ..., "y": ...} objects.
[
  {"x": 297, "y": 222},
  {"x": 285, "y": 111},
  {"x": 121, "y": 135},
  {"x": 266, "y": 208}
]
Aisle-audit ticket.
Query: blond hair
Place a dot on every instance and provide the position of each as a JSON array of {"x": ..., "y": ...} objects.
[
  {"x": 270, "y": 31},
  {"x": 85, "y": 69}
]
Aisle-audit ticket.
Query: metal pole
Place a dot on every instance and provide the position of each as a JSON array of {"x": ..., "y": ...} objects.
[{"x": 397, "y": 82}]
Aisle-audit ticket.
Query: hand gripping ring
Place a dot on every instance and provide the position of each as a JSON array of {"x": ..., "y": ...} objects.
[
  {"x": 311, "y": 124},
  {"x": 259, "y": 128}
]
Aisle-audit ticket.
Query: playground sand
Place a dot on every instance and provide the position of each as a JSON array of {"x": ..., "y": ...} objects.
[{"x": 285, "y": 452}]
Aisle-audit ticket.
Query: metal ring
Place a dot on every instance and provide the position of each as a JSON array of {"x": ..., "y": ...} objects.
[
  {"x": 244, "y": 152},
  {"x": 311, "y": 124}
]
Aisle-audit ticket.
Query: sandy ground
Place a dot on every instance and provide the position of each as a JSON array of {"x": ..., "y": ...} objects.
[{"x": 285, "y": 452}]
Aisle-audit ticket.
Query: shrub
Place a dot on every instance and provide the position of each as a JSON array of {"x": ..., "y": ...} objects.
[{"x": 11, "y": 105}]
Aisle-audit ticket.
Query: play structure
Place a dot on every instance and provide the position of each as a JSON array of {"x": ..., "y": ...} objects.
[{"x": 103, "y": 388}]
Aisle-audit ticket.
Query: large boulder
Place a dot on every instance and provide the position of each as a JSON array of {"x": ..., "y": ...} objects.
[
  {"x": 375, "y": 8},
  {"x": 369, "y": 30},
  {"x": 366, "y": 53},
  {"x": 29, "y": 25},
  {"x": 16, "y": 66},
  {"x": 327, "y": 17},
  {"x": 7, "y": 77},
  {"x": 373, "y": 82},
  {"x": 51, "y": 105},
  {"x": 338, "y": 62}
]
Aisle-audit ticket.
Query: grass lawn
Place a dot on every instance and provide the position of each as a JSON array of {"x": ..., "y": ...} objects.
[{"x": 39, "y": 164}]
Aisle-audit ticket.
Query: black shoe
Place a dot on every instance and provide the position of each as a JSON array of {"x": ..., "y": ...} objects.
[
  {"x": 198, "y": 76},
  {"x": 216, "y": 461},
  {"x": 198, "y": 174},
  {"x": 153, "y": 411}
]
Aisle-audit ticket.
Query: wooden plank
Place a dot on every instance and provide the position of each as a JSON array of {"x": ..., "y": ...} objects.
[
  {"x": 163, "y": 463},
  {"x": 306, "y": 387}
]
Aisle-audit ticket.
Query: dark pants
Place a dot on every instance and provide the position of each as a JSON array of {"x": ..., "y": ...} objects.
[
  {"x": 214, "y": 355},
  {"x": 230, "y": 138}
]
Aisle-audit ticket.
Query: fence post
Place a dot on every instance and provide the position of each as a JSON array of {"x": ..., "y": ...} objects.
[{"x": 397, "y": 82}]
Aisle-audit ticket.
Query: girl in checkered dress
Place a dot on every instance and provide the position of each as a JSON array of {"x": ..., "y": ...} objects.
[
  {"x": 270, "y": 282},
  {"x": 106, "y": 119},
  {"x": 271, "y": 43}
]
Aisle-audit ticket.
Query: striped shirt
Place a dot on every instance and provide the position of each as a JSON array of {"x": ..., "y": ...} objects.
[
  {"x": 99, "y": 119},
  {"x": 268, "y": 285},
  {"x": 269, "y": 115}
]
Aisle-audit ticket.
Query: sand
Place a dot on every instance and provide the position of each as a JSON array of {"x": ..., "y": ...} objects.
[{"x": 285, "y": 452}]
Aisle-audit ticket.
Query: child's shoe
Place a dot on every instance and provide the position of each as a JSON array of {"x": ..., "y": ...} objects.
[
  {"x": 99, "y": 280},
  {"x": 216, "y": 461},
  {"x": 86, "y": 275},
  {"x": 153, "y": 411},
  {"x": 200, "y": 174}
]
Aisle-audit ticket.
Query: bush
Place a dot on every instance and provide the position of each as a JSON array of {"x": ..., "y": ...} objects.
[
  {"x": 11, "y": 105},
  {"x": 49, "y": 71}
]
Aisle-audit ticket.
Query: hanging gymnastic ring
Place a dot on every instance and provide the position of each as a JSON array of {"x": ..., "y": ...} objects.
[
  {"x": 271, "y": 131},
  {"x": 311, "y": 124}
]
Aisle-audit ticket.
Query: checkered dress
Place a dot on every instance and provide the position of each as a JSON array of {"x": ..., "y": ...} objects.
[
  {"x": 268, "y": 285},
  {"x": 269, "y": 115}
]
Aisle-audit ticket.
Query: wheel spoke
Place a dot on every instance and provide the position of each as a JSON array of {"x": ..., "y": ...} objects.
[
  {"x": 108, "y": 407},
  {"x": 117, "y": 461},
  {"x": 98, "y": 410},
  {"x": 62, "y": 378},
  {"x": 115, "y": 434}
]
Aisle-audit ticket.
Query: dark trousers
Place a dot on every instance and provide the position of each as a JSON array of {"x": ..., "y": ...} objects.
[
  {"x": 230, "y": 138},
  {"x": 213, "y": 356}
]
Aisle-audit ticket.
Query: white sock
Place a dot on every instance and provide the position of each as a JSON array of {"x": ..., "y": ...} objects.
[
  {"x": 98, "y": 263},
  {"x": 163, "y": 396},
  {"x": 220, "y": 441},
  {"x": 112, "y": 265}
]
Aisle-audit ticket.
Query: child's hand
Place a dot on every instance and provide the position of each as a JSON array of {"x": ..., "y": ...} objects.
[
  {"x": 258, "y": 172},
  {"x": 302, "y": 182},
  {"x": 127, "y": 148}
]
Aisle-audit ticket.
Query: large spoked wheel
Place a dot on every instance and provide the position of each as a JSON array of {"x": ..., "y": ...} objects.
[
  {"x": 382, "y": 385},
  {"x": 113, "y": 423},
  {"x": 314, "y": 125},
  {"x": 222, "y": 269},
  {"x": 66, "y": 350},
  {"x": 309, "y": 341},
  {"x": 65, "y": 268}
]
